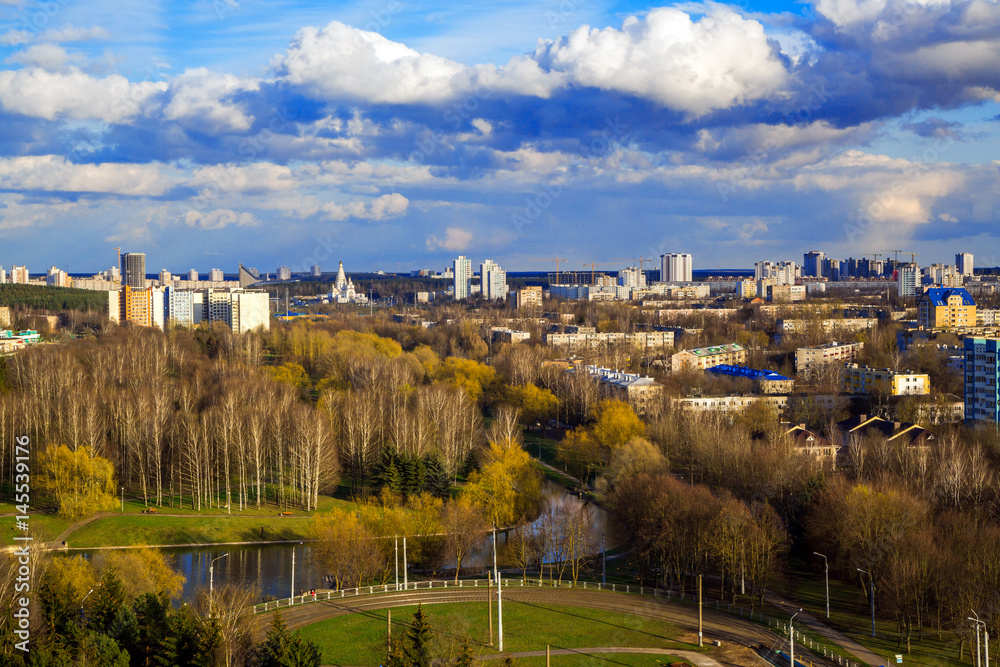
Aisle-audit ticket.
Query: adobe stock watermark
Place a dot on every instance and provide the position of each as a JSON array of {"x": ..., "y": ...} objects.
[
  {"x": 563, "y": 12},
  {"x": 613, "y": 134},
  {"x": 224, "y": 8},
  {"x": 22, "y": 583},
  {"x": 380, "y": 19},
  {"x": 37, "y": 17},
  {"x": 866, "y": 216}
]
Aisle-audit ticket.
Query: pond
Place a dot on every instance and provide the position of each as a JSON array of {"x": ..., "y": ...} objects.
[{"x": 269, "y": 567}]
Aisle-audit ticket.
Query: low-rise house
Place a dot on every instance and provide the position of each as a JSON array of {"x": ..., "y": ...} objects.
[
  {"x": 809, "y": 359},
  {"x": 865, "y": 380},
  {"x": 638, "y": 391}
]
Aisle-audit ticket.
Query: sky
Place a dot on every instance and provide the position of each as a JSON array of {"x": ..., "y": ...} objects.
[{"x": 396, "y": 134}]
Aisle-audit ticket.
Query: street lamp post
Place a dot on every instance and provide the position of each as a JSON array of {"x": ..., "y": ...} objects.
[
  {"x": 986, "y": 638},
  {"x": 82, "y": 601},
  {"x": 291, "y": 599},
  {"x": 211, "y": 582},
  {"x": 826, "y": 576},
  {"x": 791, "y": 639},
  {"x": 123, "y": 499},
  {"x": 871, "y": 594}
]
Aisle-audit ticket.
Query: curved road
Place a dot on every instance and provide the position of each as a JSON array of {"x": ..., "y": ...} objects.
[{"x": 716, "y": 625}]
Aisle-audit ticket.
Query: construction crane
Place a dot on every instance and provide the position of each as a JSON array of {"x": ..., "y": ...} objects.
[
  {"x": 913, "y": 256},
  {"x": 593, "y": 266},
  {"x": 641, "y": 261},
  {"x": 550, "y": 259},
  {"x": 897, "y": 254}
]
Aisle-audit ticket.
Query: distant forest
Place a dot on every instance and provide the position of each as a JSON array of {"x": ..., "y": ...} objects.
[{"x": 52, "y": 298}]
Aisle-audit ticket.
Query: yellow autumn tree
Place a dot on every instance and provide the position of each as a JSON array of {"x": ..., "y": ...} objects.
[
  {"x": 507, "y": 485},
  {"x": 81, "y": 482},
  {"x": 616, "y": 423},
  {"x": 472, "y": 376},
  {"x": 144, "y": 571}
]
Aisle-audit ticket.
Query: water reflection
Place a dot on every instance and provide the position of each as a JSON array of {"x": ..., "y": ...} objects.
[{"x": 269, "y": 567}]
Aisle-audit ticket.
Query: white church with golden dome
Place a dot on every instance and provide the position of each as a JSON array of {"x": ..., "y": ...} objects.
[{"x": 343, "y": 290}]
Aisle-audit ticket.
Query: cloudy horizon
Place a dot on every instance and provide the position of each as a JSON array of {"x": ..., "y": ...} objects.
[{"x": 395, "y": 135}]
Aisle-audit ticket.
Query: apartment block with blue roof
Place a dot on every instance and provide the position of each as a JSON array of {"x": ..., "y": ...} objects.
[{"x": 946, "y": 308}]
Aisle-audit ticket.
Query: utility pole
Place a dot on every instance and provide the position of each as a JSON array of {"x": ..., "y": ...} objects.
[
  {"x": 291, "y": 599},
  {"x": 604, "y": 562},
  {"x": 700, "y": 641},
  {"x": 397, "y": 562},
  {"x": 406, "y": 586},
  {"x": 791, "y": 635},
  {"x": 499, "y": 592},
  {"x": 489, "y": 601},
  {"x": 826, "y": 575},
  {"x": 871, "y": 594}
]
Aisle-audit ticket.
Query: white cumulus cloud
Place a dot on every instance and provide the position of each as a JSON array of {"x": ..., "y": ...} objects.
[
  {"x": 74, "y": 94},
  {"x": 201, "y": 99},
  {"x": 219, "y": 218},
  {"x": 716, "y": 62},
  {"x": 455, "y": 239}
]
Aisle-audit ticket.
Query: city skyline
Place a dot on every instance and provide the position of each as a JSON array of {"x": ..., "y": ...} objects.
[{"x": 404, "y": 134}]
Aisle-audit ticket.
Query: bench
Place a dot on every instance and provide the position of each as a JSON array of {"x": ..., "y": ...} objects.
[
  {"x": 285, "y": 514},
  {"x": 149, "y": 510}
]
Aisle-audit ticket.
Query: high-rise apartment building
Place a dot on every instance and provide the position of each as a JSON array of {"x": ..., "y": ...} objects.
[
  {"x": 184, "y": 308},
  {"x": 19, "y": 274},
  {"x": 165, "y": 278},
  {"x": 462, "y": 270},
  {"x": 239, "y": 309},
  {"x": 812, "y": 263},
  {"x": 963, "y": 261},
  {"x": 494, "y": 280},
  {"x": 315, "y": 271},
  {"x": 133, "y": 270},
  {"x": 633, "y": 277},
  {"x": 675, "y": 268},
  {"x": 779, "y": 273},
  {"x": 193, "y": 275},
  {"x": 906, "y": 280},
  {"x": 216, "y": 275},
  {"x": 57, "y": 278},
  {"x": 283, "y": 273},
  {"x": 982, "y": 379}
]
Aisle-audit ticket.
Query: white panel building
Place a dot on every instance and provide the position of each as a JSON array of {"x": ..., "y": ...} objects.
[
  {"x": 494, "y": 280},
  {"x": 462, "y": 270},
  {"x": 675, "y": 267}
]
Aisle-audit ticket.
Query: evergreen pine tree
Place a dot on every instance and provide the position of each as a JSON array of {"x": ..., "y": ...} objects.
[
  {"x": 282, "y": 649},
  {"x": 418, "y": 638},
  {"x": 110, "y": 598},
  {"x": 180, "y": 639},
  {"x": 436, "y": 480},
  {"x": 151, "y": 620}
]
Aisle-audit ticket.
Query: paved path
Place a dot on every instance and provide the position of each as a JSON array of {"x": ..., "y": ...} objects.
[
  {"x": 698, "y": 659},
  {"x": 835, "y": 636}
]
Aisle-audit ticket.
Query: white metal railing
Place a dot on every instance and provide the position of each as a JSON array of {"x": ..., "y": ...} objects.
[{"x": 778, "y": 625}]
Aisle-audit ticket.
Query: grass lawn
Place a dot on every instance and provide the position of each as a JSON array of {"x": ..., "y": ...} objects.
[
  {"x": 137, "y": 530},
  {"x": 359, "y": 639},
  {"x": 849, "y": 613}
]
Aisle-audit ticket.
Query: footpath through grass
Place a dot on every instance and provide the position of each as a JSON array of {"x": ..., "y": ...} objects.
[
  {"x": 850, "y": 614},
  {"x": 360, "y": 639}
]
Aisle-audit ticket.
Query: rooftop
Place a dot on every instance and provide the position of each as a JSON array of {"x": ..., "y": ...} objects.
[
  {"x": 743, "y": 371},
  {"x": 938, "y": 296},
  {"x": 716, "y": 349}
]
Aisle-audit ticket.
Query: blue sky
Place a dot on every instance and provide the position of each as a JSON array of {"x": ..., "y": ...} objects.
[{"x": 396, "y": 134}]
